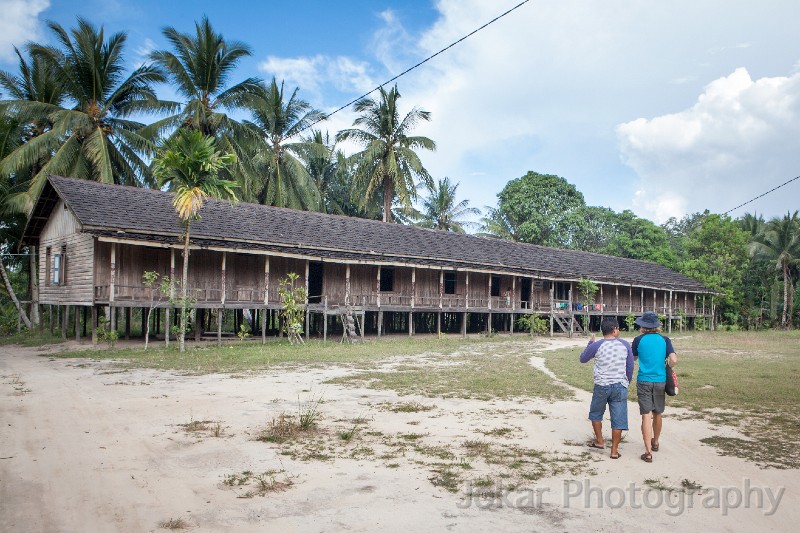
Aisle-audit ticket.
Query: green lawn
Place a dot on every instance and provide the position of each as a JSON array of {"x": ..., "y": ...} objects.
[{"x": 745, "y": 379}]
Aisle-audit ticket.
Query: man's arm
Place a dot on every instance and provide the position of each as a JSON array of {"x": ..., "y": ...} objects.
[
  {"x": 591, "y": 350},
  {"x": 673, "y": 358},
  {"x": 635, "y": 348},
  {"x": 629, "y": 363}
]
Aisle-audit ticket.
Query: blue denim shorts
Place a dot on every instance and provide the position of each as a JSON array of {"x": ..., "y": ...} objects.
[{"x": 616, "y": 396}]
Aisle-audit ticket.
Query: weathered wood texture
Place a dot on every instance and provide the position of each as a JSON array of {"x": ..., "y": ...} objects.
[{"x": 62, "y": 231}]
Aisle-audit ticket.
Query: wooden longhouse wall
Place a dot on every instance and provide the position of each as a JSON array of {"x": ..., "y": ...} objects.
[{"x": 62, "y": 234}]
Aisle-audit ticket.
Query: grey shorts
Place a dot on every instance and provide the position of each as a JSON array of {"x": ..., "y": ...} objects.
[{"x": 651, "y": 397}]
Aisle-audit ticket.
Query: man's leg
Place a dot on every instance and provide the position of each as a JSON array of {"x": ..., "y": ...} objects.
[
  {"x": 598, "y": 433},
  {"x": 656, "y": 428},
  {"x": 647, "y": 431},
  {"x": 616, "y": 436}
]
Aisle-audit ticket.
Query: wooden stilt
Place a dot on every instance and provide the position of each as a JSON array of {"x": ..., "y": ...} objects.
[{"x": 94, "y": 324}]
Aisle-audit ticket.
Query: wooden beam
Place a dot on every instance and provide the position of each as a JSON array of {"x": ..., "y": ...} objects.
[
  {"x": 466, "y": 295},
  {"x": 223, "y": 283}
]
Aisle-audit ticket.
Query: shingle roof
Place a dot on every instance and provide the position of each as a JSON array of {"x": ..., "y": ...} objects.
[{"x": 149, "y": 214}]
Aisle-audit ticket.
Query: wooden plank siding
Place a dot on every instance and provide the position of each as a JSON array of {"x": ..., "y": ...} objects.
[
  {"x": 244, "y": 283},
  {"x": 62, "y": 231}
]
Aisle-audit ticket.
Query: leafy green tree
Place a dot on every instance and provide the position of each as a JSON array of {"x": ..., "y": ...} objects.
[
  {"x": 639, "y": 238},
  {"x": 596, "y": 226},
  {"x": 440, "y": 210},
  {"x": 716, "y": 255},
  {"x": 542, "y": 209},
  {"x": 389, "y": 159},
  {"x": 189, "y": 164},
  {"x": 328, "y": 169},
  {"x": 34, "y": 90},
  {"x": 91, "y": 136},
  {"x": 199, "y": 67},
  {"x": 275, "y": 120},
  {"x": 780, "y": 243},
  {"x": 8, "y": 225},
  {"x": 495, "y": 224}
]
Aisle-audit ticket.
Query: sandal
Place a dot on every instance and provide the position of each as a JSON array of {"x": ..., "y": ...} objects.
[
  {"x": 647, "y": 458},
  {"x": 593, "y": 444},
  {"x": 653, "y": 445},
  {"x": 616, "y": 456}
]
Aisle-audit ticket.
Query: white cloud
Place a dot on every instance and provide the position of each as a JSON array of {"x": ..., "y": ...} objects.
[
  {"x": 19, "y": 23},
  {"x": 312, "y": 74},
  {"x": 737, "y": 141},
  {"x": 143, "y": 52}
]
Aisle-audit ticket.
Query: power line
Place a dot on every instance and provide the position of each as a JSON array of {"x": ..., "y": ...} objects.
[
  {"x": 761, "y": 195},
  {"x": 470, "y": 34}
]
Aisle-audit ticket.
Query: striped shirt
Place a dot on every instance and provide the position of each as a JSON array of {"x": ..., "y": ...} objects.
[{"x": 613, "y": 361}]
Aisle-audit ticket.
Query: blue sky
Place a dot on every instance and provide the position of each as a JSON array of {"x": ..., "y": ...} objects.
[{"x": 664, "y": 108}]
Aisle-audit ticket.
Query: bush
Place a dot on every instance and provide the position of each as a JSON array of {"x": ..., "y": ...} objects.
[{"x": 534, "y": 324}]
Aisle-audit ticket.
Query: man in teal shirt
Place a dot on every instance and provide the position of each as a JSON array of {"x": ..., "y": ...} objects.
[{"x": 651, "y": 349}]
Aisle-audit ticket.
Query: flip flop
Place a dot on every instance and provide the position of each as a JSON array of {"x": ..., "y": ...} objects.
[
  {"x": 593, "y": 444},
  {"x": 653, "y": 445},
  {"x": 616, "y": 457},
  {"x": 647, "y": 458}
]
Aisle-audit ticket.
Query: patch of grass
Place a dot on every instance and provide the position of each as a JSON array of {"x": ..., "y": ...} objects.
[
  {"x": 30, "y": 339},
  {"x": 410, "y": 407},
  {"x": 478, "y": 373},
  {"x": 657, "y": 484},
  {"x": 195, "y": 426},
  {"x": 497, "y": 432},
  {"x": 257, "y": 484},
  {"x": 477, "y": 447},
  {"x": 446, "y": 477},
  {"x": 241, "y": 358},
  {"x": 308, "y": 412},
  {"x": 747, "y": 380},
  {"x": 174, "y": 523}
]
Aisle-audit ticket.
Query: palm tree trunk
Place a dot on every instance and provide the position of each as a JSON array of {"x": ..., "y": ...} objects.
[
  {"x": 388, "y": 195},
  {"x": 34, "y": 287},
  {"x": 184, "y": 289},
  {"x": 785, "y": 293},
  {"x": 13, "y": 296}
]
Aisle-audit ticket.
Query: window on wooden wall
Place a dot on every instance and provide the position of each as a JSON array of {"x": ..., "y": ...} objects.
[
  {"x": 561, "y": 291},
  {"x": 449, "y": 282},
  {"x": 495, "y": 285},
  {"x": 56, "y": 279},
  {"x": 48, "y": 258},
  {"x": 387, "y": 279},
  {"x": 64, "y": 264}
]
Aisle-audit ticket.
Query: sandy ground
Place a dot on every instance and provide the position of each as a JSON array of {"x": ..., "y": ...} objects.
[{"x": 85, "y": 447}]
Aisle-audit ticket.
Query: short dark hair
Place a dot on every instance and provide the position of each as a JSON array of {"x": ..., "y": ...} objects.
[{"x": 608, "y": 324}]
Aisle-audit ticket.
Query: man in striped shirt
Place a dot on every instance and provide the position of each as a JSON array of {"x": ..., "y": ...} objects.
[{"x": 613, "y": 370}]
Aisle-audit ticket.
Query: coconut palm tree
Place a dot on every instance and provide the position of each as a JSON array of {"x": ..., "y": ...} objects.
[
  {"x": 199, "y": 66},
  {"x": 89, "y": 136},
  {"x": 753, "y": 224},
  {"x": 780, "y": 242},
  {"x": 496, "y": 224},
  {"x": 36, "y": 82},
  {"x": 275, "y": 120},
  {"x": 12, "y": 221},
  {"x": 189, "y": 164},
  {"x": 440, "y": 210},
  {"x": 389, "y": 159}
]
